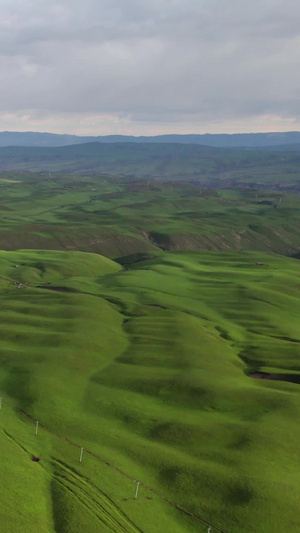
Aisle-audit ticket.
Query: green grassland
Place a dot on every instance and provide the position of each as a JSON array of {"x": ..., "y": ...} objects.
[
  {"x": 146, "y": 357},
  {"x": 117, "y": 217},
  {"x": 146, "y": 363}
]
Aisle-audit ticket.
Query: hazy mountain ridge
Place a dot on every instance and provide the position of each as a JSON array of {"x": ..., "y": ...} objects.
[
  {"x": 14, "y": 138},
  {"x": 268, "y": 168}
]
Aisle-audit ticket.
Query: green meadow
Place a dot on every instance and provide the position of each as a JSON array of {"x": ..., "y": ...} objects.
[
  {"x": 149, "y": 362},
  {"x": 117, "y": 217}
]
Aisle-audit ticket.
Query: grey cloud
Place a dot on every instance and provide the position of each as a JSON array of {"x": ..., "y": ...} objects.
[{"x": 164, "y": 60}]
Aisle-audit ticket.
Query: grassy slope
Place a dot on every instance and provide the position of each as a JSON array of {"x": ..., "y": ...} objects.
[
  {"x": 147, "y": 367},
  {"x": 116, "y": 218}
]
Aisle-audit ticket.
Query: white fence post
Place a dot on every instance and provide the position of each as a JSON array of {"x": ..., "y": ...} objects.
[
  {"x": 137, "y": 489},
  {"x": 81, "y": 454}
]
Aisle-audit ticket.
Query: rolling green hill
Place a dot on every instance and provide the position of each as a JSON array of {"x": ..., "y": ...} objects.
[
  {"x": 118, "y": 217},
  {"x": 147, "y": 363},
  {"x": 171, "y": 359}
]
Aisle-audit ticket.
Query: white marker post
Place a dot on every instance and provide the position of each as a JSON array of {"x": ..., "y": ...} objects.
[
  {"x": 137, "y": 489},
  {"x": 0, "y": 404},
  {"x": 81, "y": 454},
  {"x": 209, "y": 530},
  {"x": 36, "y": 427}
]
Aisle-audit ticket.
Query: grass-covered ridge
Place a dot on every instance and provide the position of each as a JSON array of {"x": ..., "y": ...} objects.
[{"x": 147, "y": 363}]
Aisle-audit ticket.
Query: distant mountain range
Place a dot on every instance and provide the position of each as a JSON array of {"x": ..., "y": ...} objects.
[
  {"x": 208, "y": 166},
  {"x": 250, "y": 140}
]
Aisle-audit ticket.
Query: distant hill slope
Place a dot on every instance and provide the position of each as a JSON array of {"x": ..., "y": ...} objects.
[
  {"x": 204, "y": 165},
  {"x": 118, "y": 216},
  {"x": 15, "y": 138}
]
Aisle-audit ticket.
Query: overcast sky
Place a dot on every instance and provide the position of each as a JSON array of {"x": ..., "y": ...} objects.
[{"x": 149, "y": 66}]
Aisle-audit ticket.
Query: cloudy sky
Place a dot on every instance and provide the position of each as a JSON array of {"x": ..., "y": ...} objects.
[{"x": 149, "y": 66}]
